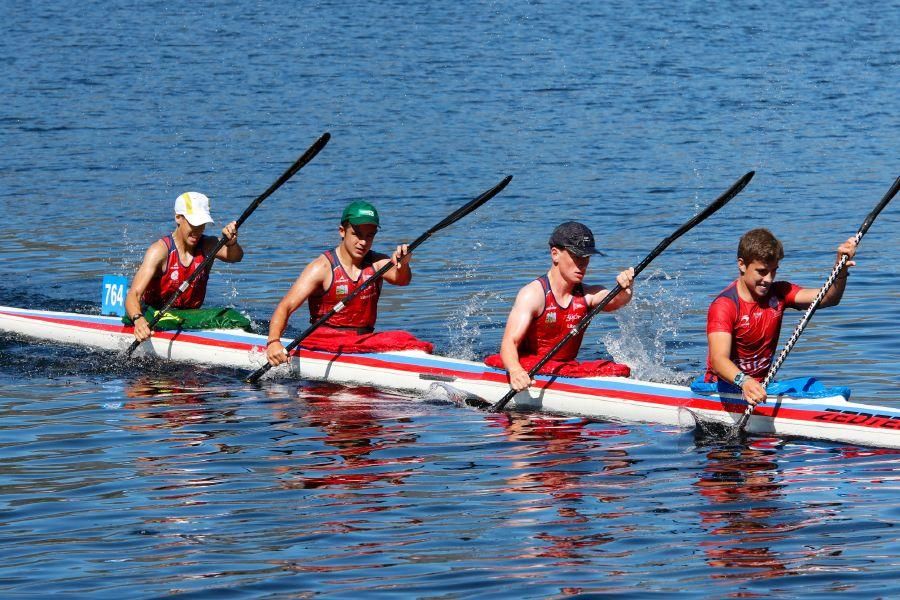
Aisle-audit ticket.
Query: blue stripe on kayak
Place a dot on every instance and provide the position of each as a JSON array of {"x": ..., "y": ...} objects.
[
  {"x": 477, "y": 368},
  {"x": 96, "y": 319},
  {"x": 466, "y": 367},
  {"x": 243, "y": 337},
  {"x": 436, "y": 362}
]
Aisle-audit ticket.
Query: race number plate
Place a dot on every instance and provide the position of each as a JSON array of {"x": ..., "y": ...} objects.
[{"x": 112, "y": 293}]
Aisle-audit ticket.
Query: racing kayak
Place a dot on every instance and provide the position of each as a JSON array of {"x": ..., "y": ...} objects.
[{"x": 832, "y": 418}]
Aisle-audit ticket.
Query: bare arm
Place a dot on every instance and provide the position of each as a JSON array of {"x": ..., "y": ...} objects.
[
  {"x": 806, "y": 296},
  {"x": 313, "y": 278},
  {"x": 152, "y": 266},
  {"x": 231, "y": 252},
  {"x": 596, "y": 294},
  {"x": 720, "y": 360},
  {"x": 528, "y": 305},
  {"x": 401, "y": 274}
]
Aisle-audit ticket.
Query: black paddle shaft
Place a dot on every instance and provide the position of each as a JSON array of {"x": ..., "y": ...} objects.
[
  {"x": 208, "y": 261},
  {"x": 721, "y": 201},
  {"x": 742, "y": 423},
  {"x": 452, "y": 218}
]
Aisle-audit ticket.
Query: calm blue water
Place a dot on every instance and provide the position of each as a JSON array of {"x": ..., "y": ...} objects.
[{"x": 153, "y": 479}]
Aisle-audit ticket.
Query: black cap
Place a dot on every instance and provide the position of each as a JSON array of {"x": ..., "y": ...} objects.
[{"x": 574, "y": 237}]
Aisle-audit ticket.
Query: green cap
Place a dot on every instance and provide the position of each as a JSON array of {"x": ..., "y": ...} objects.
[{"x": 360, "y": 213}]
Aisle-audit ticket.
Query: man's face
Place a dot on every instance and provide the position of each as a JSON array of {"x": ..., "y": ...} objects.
[
  {"x": 191, "y": 233},
  {"x": 358, "y": 239},
  {"x": 758, "y": 276},
  {"x": 572, "y": 267}
]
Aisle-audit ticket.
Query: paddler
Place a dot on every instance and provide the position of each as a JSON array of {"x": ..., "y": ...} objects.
[
  {"x": 331, "y": 277},
  {"x": 172, "y": 259},
  {"x": 744, "y": 321},
  {"x": 549, "y": 307}
]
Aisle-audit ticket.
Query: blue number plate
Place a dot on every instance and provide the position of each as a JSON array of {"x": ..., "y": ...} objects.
[{"x": 112, "y": 293}]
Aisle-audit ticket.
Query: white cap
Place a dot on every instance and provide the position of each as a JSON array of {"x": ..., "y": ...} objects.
[{"x": 194, "y": 206}]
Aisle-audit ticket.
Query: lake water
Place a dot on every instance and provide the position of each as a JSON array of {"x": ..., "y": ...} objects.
[{"x": 150, "y": 479}]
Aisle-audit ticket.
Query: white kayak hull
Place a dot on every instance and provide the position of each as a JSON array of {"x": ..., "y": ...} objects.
[{"x": 604, "y": 398}]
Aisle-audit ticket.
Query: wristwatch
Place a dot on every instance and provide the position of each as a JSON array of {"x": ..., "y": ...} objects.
[
  {"x": 137, "y": 316},
  {"x": 740, "y": 378}
]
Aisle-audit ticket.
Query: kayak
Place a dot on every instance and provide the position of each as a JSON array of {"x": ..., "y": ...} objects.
[{"x": 621, "y": 399}]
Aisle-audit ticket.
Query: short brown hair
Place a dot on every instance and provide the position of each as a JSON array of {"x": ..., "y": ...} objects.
[{"x": 760, "y": 244}]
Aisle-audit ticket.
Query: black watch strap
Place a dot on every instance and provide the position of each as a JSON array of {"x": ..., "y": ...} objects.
[{"x": 137, "y": 316}]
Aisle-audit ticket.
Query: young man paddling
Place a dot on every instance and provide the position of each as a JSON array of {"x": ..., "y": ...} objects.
[
  {"x": 744, "y": 321},
  {"x": 333, "y": 276},
  {"x": 169, "y": 261},
  {"x": 549, "y": 307}
]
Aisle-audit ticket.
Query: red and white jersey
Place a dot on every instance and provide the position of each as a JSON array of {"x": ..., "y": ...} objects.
[
  {"x": 754, "y": 326},
  {"x": 362, "y": 311},
  {"x": 554, "y": 323},
  {"x": 161, "y": 288}
]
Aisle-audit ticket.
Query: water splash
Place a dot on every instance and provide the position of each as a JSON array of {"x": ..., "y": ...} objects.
[
  {"x": 131, "y": 256},
  {"x": 465, "y": 332},
  {"x": 231, "y": 295},
  {"x": 646, "y": 325}
]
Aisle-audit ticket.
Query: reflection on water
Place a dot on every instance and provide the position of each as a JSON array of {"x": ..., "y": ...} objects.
[
  {"x": 777, "y": 511},
  {"x": 744, "y": 513},
  {"x": 359, "y": 487},
  {"x": 553, "y": 461},
  {"x": 351, "y": 431}
]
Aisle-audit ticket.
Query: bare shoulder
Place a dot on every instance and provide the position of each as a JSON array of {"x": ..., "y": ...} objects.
[
  {"x": 318, "y": 269},
  {"x": 311, "y": 281},
  {"x": 153, "y": 263},
  {"x": 156, "y": 253},
  {"x": 531, "y": 297}
]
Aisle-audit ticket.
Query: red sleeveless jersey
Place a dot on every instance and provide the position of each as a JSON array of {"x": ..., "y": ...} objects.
[
  {"x": 360, "y": 314},
  {"x": 754, "y": 326},
  {"x": 174, "y": 273},
  {"x": 554, "y": 323}
]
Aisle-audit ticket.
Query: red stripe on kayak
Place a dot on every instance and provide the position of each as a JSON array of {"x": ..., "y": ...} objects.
[
  {"x": 75, "y": 322},
  {"x": 851, "y": 418},
  {"x": 181, "y": 336},
  {"x": 771, "y": 411},
  {"x": 501, "y": 378}
]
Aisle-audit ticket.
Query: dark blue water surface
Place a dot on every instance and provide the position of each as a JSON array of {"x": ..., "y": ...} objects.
[{"x": 151, "y": 479}]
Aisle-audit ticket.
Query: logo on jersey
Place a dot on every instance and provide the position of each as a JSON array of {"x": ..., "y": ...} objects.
[
  {"x": 550, "y": 318},
  {"x": 342, "y": 289},
  {"x": 174, "y": 275}
]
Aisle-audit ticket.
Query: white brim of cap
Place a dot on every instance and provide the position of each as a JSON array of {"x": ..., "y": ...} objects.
[{"x": 198, "y": 220}]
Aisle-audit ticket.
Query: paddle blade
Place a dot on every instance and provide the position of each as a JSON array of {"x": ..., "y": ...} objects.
[
  {"x": 301, "y": 162},
  {"x": 875, "y": 212},
  {"x": 462, "y": 211},
  {"x": 257, "y": 374},
  {"x": 131, "y": 348},
  {"x": 718, "y": 203},
  {"x": 730, "y": 193},
  {"x": 502, "y": 402}
]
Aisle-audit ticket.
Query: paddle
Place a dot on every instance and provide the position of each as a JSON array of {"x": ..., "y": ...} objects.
[
  {"x": 721, "y": 201},
  {"x": 742, "y": 423},
  {"x": 453, "y": 218},
  {"x": 207, "y": 263}
]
